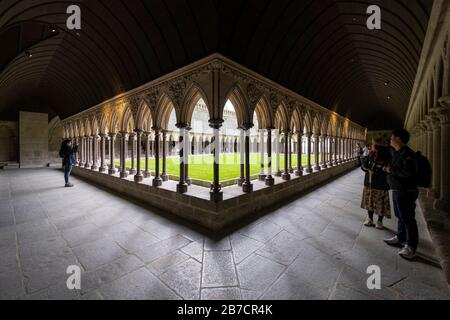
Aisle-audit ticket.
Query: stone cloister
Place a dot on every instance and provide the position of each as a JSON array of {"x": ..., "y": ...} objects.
[
  {"x": 428, "y": 116},
  {"x": 142, "y": 115}
]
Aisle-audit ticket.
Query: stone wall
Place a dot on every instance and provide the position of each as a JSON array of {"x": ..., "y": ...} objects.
[
  {"x": 9, "y": 137},
  {"x": 211, "y": 215},
  {"x": 33, "y": 139}
]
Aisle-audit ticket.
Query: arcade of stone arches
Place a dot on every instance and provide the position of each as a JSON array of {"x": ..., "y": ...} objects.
[{"x": 138, "y": 126}]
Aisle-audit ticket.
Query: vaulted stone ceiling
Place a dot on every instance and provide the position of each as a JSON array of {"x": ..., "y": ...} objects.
[{"x": 320, "y": 49}]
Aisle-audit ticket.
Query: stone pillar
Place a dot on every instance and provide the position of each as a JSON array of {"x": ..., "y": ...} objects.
[
  {"x": 187, "y": 149},
  {"x": 330, "y": 151},
  {"x": 338, "y": 151},
  {"x": 277, "y": 153},
  {"x": 270, "y": 181},
  {"x": 112, "y": 140},
  {"x": 87, "y": 153},
  {"x": 164, "y": 175},
  {"x": 157, "y": 181},
  {"x": 286, "y": 175},
  {"x": 94, "y": 165},
  {"x": 102, "y": 152},
  {"x": 299, "y": 171},
  {"x": 436, "y": 164},
  {"x": 147, "y": 136},
  {"x": 247, "y": 186},
  {"x": 443, "y": 203},
  {"x": 138, "y": 176},
  {"x": 216, "y": 193},
  {"x": 242, "y": 157},
  {"x": 308, "y": 168},
  {"x": 182, "y": 186},
  {"x": 291, "y": 169},
  {"x": 316, "y": 153},
  {"x": 323, "y": 156},
  {"x": 132, "y": 137},
  {"x": 82, "y": 154},
  {"x": 123, "y": 153},
  {"x": 262, "y": 174},
  {"x": 77, "y": 159}
]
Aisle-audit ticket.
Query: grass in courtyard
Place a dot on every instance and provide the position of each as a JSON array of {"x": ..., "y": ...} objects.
[{"x": 201, "y": 167}]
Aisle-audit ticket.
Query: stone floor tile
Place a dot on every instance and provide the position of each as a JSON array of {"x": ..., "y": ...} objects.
[
  {"x": 137, "y": 285},
  {"x": 94, "y": 254},
  {"x": 218, "y": 269}
]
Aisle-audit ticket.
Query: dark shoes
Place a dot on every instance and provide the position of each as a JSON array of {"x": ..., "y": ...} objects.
[{"x": 69, "y": 185}]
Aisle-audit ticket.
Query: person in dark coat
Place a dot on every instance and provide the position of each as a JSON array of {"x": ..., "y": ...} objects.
[
  {"x": 375, "y": 197},
  {"x": 68, "y": 152},
  {"x": 402, "y": 179}
]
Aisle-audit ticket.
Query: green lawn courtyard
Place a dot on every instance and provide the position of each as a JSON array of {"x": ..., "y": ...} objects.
[{"x": 201, "y": 167}]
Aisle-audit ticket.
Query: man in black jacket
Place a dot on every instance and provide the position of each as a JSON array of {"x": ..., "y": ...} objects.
[{"x": 402, "y": 179}]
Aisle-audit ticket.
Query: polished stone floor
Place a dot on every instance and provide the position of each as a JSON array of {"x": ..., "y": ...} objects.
[{"x": 313, "y": 248}]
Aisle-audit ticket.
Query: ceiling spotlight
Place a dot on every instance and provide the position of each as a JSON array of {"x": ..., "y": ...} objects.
[
  {"x": 389, "y": 97},
  {"x": 28, "y": 54},
  {"x": 386, "y": 83}
]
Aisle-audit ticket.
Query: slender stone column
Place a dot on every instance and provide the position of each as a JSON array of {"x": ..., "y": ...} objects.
[
  {"x": 164, "y": 175},
  {"x": 242, "y": 157},
  {"x": 147, "y": 136},
  {"x": 187, "y": 149},
  {"x": 216, "y": 193},
  {"x": 112, "y": 140},
  {"x": 182, "y": 186},
  {"x": 286, "y": 175},
  {"x": 86, "y": 152},
  {"x": 316, "y": 153},
  {"x": 123, "y": 153},
  {"x": 436, "y": 180},
  {"x": 262, "y": 175},
  {"x": 132, "y": 137},
  {"x": 94, "y": 153},
  {"x": 334, "y": 151},
  {"x": 291, "y": 169},
  {"x": 138, "y": 176},
  {"x": 308, "y": 168},
  {"x": 270, "y": 181},
  {"x": 247, "y": 186},
  {"x": 299, "y": 171},
  {"x": 338, "y": 150},
  {"x": 344, "y": 150},
  {"x": 323, "y": 156},
  {"x": 157, "y": 181},
  {"x": 330, "y": 151},
  {"x": 429, "y": 136},
  {"x": 277, "y": 153},
  {"x": 77, "y": 158},
  {"x": 102, "y": 152},
  {"x": 443, "y": 203},
  {"x": 81, "y": 153}
]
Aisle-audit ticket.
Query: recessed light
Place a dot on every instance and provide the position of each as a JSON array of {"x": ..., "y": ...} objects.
[
  {"x": 389, "y": 97},
  {"x": 28, "y": 54},
  {"x": 386, "y": 83}
]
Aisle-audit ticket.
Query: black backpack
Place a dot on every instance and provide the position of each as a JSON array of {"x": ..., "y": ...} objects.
[
  {"x": 425, "y": 174},
  {"x": 61, "y": 153}
]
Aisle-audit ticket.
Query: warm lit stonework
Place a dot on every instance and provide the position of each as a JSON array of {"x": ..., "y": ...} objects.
[{"x": 219, "y": 148}]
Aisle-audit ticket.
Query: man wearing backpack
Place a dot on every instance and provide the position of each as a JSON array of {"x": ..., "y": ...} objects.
[{"x": 402, "y": 178}]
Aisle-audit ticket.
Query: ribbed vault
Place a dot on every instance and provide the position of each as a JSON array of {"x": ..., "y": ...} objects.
[{"x": 320, "y": 49}]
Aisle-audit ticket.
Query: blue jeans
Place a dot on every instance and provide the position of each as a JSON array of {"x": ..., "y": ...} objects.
[
  {"x": 67, "y": 171},
  {"x": 405, "y": 211}
]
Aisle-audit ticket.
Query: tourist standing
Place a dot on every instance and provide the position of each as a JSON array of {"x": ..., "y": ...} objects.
[
  {"x": 402, "y": 179},
  {"x": 67, "y": 152},
  {"x": 375, "y": 197}
]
